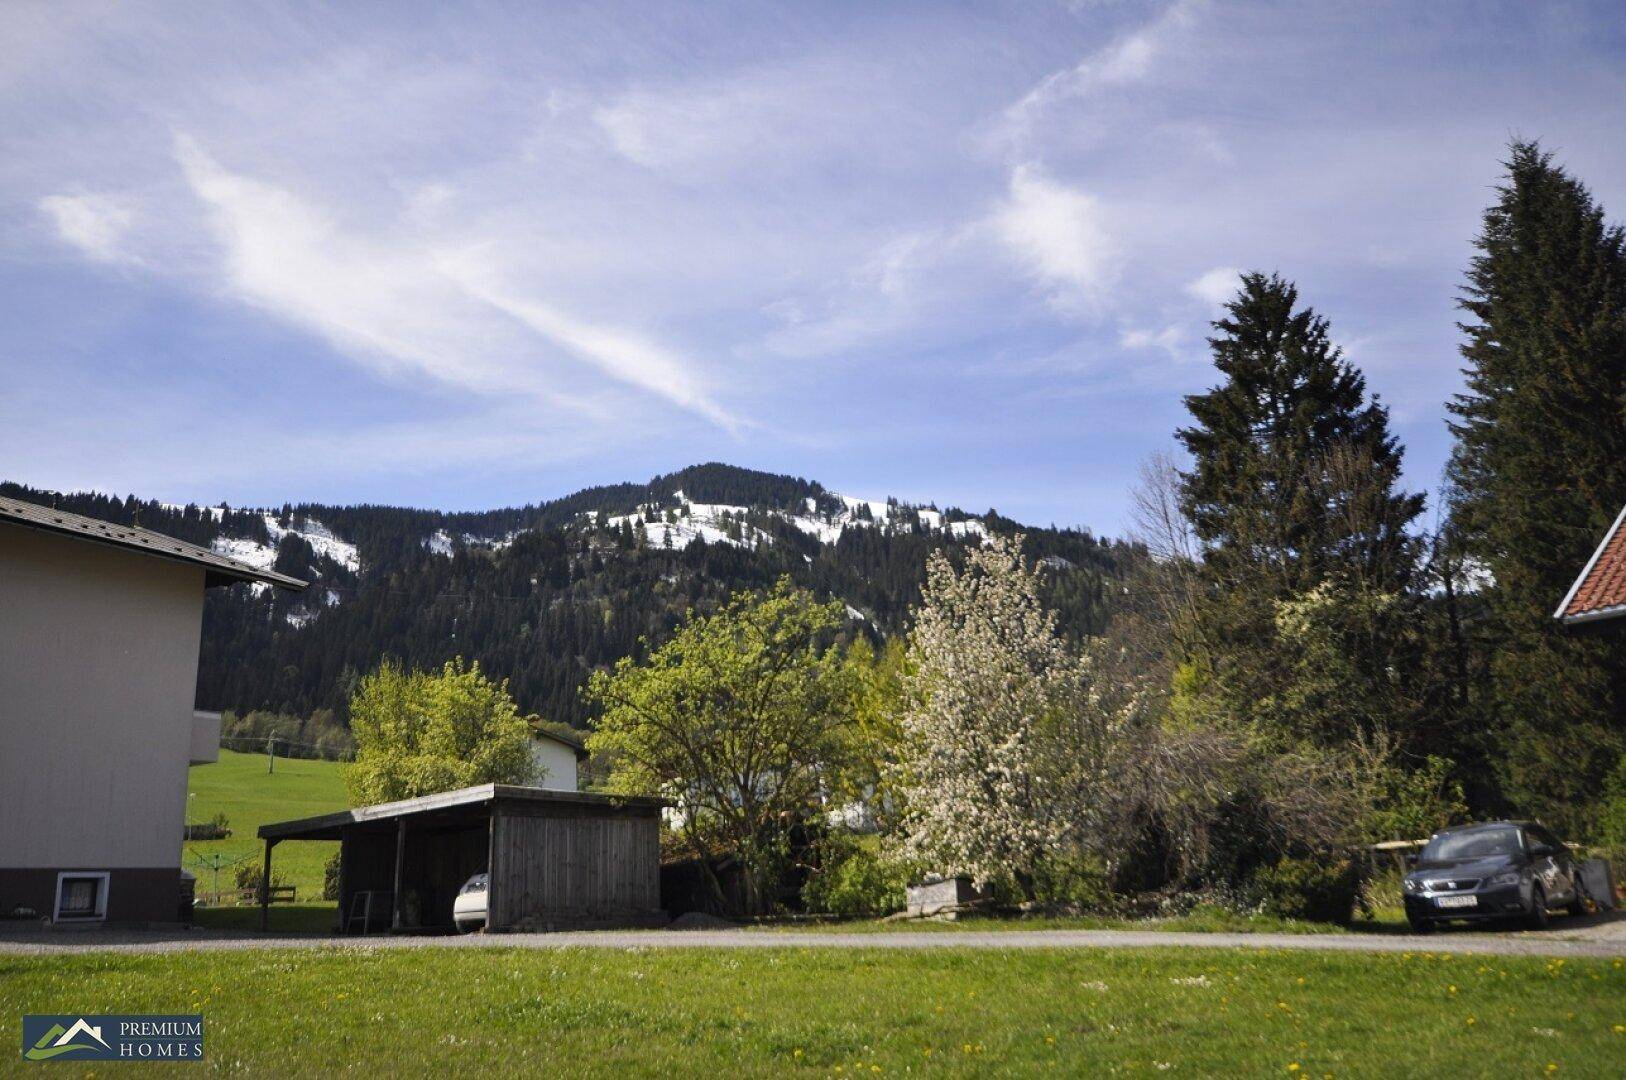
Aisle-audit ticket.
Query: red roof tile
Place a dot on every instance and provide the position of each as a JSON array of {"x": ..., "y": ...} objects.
[{"x": 1600, "y": 591}]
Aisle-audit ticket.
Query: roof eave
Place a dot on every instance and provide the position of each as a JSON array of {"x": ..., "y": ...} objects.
[
  {"x": 1596, "y": 615},
  {"x": 217, "y": 577},
  {"x": 1586, "y": 571}
]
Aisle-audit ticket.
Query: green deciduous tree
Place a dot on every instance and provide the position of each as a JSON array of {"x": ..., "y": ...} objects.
[
  {"x": 745, "y": 718},
  {"x": 1540, "y": 472},
  {"x": 422, "y": 732}
]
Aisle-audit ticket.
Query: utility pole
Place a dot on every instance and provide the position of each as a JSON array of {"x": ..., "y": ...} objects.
[{"x": 270, "y": 753}]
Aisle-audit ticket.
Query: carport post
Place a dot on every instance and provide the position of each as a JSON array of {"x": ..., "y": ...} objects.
[
  {"x": 265, "y": 887},
  {"x": 493, "y": 887},
  {"x": 400, "y": 857}
]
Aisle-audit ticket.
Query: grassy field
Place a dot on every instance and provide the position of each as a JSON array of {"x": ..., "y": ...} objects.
[
  {"x": 803, "y": 1012},
  {"x": 238, "y": 786}
]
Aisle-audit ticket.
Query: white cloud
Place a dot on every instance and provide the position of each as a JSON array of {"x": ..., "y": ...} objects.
[
  {"x": 1128, "y": 59},
  {"x": 1169, "y": 339},
  {"x": 626, "y": 356},
  {"x": 772, "y": 117},
  {"x": 1059, "y": 234},
  {"x": 1216, "y": 286},
  {"x": 95, "y": 224},
  {"x": 401, "y": 302}
]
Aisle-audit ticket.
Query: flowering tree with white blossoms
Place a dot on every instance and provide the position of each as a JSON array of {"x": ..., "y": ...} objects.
[{"x": 1005, "y": 741}]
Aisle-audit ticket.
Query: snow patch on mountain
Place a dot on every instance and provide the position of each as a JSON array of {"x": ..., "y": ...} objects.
[
  {"x": 678, "y": 526},
  {"x": 251, "y": 552},
  {"x": 264, "y": 556},
  {"x": 214, "y": 512},
  {"x": 319, "y": 537}
]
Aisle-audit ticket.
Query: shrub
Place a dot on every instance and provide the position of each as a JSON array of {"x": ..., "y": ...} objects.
[
  {"x": 1406, "y": 804},
  {"x": 250, "y": 875},
  {"x": 855, "y": 879},
  {"x": 1610, "y": 819},
  {"x": 1315, "y": 890},
  {"x": 216, "y": 828},
  {"x": 330, "y": 878}
]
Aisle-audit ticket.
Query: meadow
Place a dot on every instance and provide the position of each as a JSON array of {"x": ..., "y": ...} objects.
[
  {"x": 849, "y": 1013},
  {"x": 238, "y": 786}
]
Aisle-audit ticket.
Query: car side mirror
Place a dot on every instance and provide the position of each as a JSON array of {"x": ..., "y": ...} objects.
[{"x": 1541, "y": 851}]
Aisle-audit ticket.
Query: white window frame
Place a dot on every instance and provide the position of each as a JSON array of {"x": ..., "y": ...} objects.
[{"x": 101, "y": 896}]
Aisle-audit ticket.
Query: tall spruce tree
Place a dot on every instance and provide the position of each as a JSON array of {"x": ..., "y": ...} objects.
[
  {"x": 1540, "y": 468},
  {"x": 1294, "y": 473},
  {"x": 1294, "y": 482}
]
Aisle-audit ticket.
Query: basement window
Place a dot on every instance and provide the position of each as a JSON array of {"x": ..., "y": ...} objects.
[{"x": 81, "y": 896}]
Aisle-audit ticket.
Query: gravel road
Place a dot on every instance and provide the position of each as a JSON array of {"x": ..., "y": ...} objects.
[{"x": 1599, "y": 935}]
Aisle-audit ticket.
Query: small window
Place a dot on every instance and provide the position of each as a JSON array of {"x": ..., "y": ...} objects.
[{"x": 81, "y": 896}]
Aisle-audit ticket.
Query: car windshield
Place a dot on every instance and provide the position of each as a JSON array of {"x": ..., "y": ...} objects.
[{"x": 1479, "y": 844}]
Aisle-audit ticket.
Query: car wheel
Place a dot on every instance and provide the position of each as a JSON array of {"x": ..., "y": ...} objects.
[
  {"x": 1420, "y": 925},
  {"x": 1580, "y": 902},
  {"x": 1537, "y": 919}
]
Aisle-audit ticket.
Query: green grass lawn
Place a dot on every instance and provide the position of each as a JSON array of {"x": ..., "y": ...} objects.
[
  {"x": 821, "y": 1012},
  {"x": 239, "y": 786}
]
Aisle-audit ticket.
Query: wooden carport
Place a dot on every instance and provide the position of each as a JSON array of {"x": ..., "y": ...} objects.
[{"x": 553, "y": 859}]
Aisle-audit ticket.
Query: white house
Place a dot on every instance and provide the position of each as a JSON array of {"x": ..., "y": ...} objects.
[
  {"x": 556, "y": 755},
  {"x": 99, "y": 633}
]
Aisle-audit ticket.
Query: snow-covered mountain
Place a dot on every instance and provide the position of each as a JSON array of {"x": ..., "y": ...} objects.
[
  {"x": 679, "y": 521},
  {"x": 546, "y": 593}
]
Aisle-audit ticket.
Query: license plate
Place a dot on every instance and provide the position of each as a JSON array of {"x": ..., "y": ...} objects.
[{"x": 1456, "y": 901}]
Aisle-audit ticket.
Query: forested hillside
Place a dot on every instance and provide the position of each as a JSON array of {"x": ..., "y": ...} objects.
[{"x": 544, "y": 594}]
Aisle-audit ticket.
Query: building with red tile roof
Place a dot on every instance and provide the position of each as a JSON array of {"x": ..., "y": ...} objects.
[{"x": 1600, "y": 592}]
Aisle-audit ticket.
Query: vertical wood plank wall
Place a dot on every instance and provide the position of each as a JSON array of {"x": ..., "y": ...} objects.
[{"x": 574, "y": 867}]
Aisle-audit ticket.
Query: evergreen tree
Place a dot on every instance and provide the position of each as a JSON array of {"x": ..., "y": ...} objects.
[
  {"x": 1294, "y": 482},
  {"x": 1540, "y": 470},
  {"x": 1294, "y": 471}
]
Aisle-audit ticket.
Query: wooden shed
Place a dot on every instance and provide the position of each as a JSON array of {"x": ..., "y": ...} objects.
[{"x": 554, "y": 859}]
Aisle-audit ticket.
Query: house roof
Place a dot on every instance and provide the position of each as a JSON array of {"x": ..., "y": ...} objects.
[
  {"x": 572, "y": 741},
  {"x": 1600, "y": 592},
  {"x": 331, "y": 826},
  {"x": 219, "y": 570}
]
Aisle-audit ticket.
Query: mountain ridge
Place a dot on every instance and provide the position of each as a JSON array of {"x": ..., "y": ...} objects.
[{"x": 545, "y": 593}]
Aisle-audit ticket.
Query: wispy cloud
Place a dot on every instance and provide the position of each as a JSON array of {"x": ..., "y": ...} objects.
[
  {"x": 95, "y": 224},
  {"x": 623, "y": 355},
  {"x": 1170, "y": 338},
  {"x": 404, "y": 302},
  {"x": 1125, "y": 60}
]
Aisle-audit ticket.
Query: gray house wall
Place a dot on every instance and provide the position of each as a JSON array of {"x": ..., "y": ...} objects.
[{"x": 98, "y": 673}]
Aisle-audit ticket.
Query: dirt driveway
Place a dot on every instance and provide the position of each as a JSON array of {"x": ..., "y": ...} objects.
[{"x": 1596, "y": 935}]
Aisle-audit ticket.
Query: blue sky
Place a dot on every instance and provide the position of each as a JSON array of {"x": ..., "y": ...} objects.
[{"x": 471, "y": 255}]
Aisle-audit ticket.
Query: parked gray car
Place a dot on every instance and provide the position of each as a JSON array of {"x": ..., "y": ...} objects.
[{"x": 1497, "y": 870}]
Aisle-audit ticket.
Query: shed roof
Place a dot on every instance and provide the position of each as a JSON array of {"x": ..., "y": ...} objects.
[
  {"x": 330, "y": 826},
  {"x": 219, "y": 570},
  {"x": 1600, "y": 592}
]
